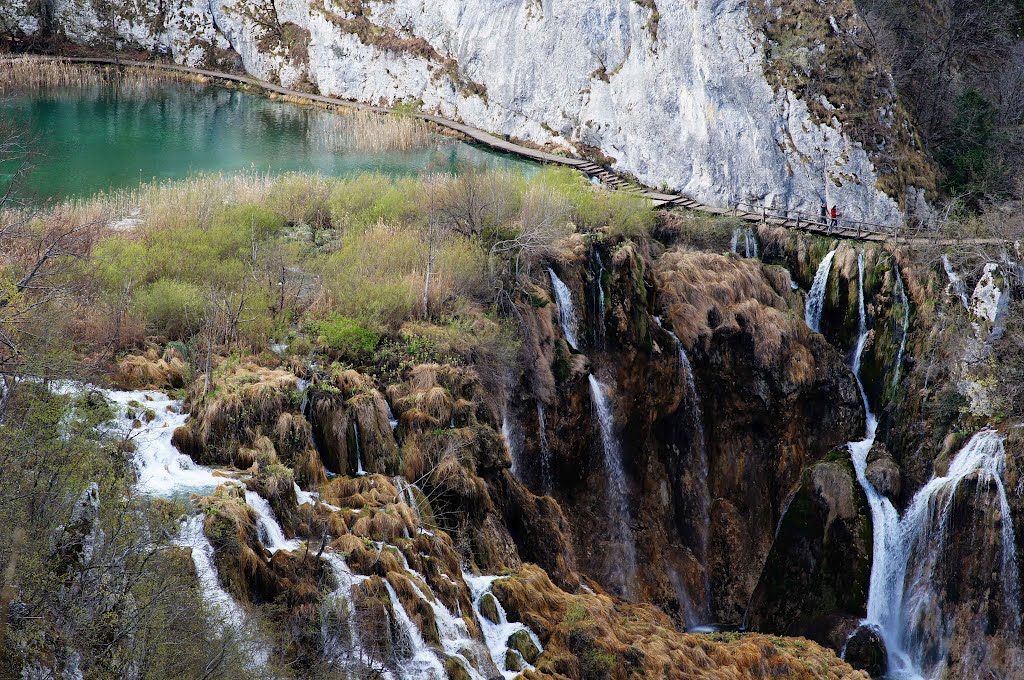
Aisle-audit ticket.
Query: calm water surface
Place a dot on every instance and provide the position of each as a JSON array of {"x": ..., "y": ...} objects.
[{"x": 112, "y": 136}]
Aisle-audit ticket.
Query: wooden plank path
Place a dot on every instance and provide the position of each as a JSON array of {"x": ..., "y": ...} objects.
[{"x": 863, "y": 231}]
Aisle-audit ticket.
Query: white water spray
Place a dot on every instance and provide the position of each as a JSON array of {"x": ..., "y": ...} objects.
[
  {"x": 566, "y": 310},
  {"x": 816, "y": 297},
  {"x": 956, "y": 284},
  {"x": 621, "y": 534}
]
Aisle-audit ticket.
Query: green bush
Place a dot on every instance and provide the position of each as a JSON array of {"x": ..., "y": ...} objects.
[
  {"x": 345, "y": 335},
  {"x": 171, "y": 308}
]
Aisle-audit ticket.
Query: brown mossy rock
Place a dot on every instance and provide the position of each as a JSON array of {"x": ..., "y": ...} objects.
[
  {"x": 791, "y": 400},
  {"x": 350, "y": 418},
  {"x": 248, "y": 407},
  {"x": 371, "y": 507},
  {"x": 592, "y": 635},
  {"x": 276, "y": 483},
  {"x": 523, "y": 643},
  {"x": 819, "y": 567},
  {"x": 884, "y": 473},
  {"x": 230, "y": 524},
  {"x": 489, "y": 608},
  {"x": 150, "y": 370}
]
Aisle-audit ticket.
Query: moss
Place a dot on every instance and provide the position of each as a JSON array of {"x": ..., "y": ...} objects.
[
  {"x": 523, "y": 643},
  {"x": 489, "y": 608}
]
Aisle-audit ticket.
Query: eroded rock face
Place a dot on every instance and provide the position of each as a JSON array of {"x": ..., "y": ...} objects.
[
  {"x": 659, "y": 90},
  {"x": 768, "y": 398},
  {"x": 817, "y": 574},
  {"x": 883, "y": 472}
]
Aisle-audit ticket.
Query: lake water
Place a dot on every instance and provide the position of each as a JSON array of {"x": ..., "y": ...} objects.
[{"x": 111, "y": 136}]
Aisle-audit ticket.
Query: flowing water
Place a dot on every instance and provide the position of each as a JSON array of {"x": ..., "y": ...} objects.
[
  {"x": 901, "y": 296},
  {"x": 620, "y": 534},
  {"x": 816, "y": 297},
  {"x": 360, "y": 472},
  {"x": 497, "y": 633},
  {"x": 956, "y": 284},
  {"x": 113, "y": 136},
  {"x": 567, "y": 318},
  {"x": 750, "y": 241},
  {"x": 904, "y": 601},
  {"x": 599, "y": 303},
  {"x": 696, "y": 611},
  {"x": 270, "y": 531}
]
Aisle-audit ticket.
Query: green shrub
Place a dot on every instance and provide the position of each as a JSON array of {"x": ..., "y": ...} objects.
[
  {"x": 171, "y": 308},
  {"x": 345, "y": 335}
]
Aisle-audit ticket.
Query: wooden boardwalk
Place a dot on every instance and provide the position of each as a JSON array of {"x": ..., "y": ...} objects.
[{"x": 863, "y": 231}]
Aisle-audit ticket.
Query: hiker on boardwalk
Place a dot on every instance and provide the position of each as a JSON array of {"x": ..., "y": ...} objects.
[
  {"x": 824, "y": 213},
  {"x": 835, "y": 218}
]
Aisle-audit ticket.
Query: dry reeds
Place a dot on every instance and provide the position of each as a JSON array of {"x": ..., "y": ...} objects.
[
  {"x": 369, "y": 132},
  {"x": 39, "y": 73}
]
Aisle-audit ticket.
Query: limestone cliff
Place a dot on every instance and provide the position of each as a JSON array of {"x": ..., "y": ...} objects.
[{"x": 702, "y": 97}]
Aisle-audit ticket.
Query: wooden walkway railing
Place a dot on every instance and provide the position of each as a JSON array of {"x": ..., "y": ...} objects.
[{"x": 847, "y": 229}]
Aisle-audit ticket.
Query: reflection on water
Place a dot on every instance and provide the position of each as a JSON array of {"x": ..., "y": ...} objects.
[{"x": 111, "y": 136}]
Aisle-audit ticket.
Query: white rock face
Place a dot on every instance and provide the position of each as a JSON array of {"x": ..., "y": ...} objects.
[{"x": 690, "y": 109}]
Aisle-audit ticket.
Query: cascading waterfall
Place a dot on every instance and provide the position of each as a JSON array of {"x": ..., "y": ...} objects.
[
  {"x": 750, "y": 243},
  {"x": 224, "y": 611},
  {"x": 956, "y": 283},
  {"x": 903, "y": 598},
  {"x": 270, "y": 531},
  {"x": 816, "y": 297},
  {"x": 545, "y": 451},
  {"x": 161, "y": 470},
  {"x": 339, "y": 635},
  {"x": 419, "y": 661},
  {"x": 566, "y": 310},
  {"x": 497, "y": 634},
  {"x": 621, "y": 534},
  {"x": 901, "y": 294},
  {"x": 734, "y": 244},
  {"x": 360, "y": 472}
]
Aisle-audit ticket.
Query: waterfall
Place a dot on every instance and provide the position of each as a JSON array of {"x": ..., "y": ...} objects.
[
  {"x": 497, "y": 634},
  {"x": 419, "y": 662},
  {"x": 360, "y": 472},
  {"x": 339, "y": 635},
  {"x": 956, "y": 284},
  {"x": 903, "y": 598},
  {"x": 816, "y": 298},
  {"x": 271, "y": 533},
  {"x": 224, "y": 611},
  {"x": 734, "y": 244},
  {"x": 750, "y": 242},
  {"x": 566, "y": 310},
  {"x": 599, "y": 301},
  {"x": 901, "y": 294},
  {"x": 514, "y": 442},
  {"x": 621, "y": 535},
  {"x": 545, "y": 451},
  {"x": 695, "y": 423},
  {"x": 161, "y": 470}
]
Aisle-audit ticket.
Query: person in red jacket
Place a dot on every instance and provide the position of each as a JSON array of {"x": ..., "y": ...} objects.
[{"x": 835, "y": 217}]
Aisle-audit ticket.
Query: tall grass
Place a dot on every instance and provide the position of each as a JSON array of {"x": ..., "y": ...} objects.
[{"x": 36, "y": 73}]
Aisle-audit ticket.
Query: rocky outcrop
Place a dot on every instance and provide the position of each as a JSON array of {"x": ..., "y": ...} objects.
[
  {"x": 770, "y": 398},
  {"x": 658, "y": 90},
  {"x": 816, "y": 578}
]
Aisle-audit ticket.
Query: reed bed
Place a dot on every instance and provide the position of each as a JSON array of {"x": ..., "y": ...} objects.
[
  {"x": 39, "y": 73},
  {"x": 369, "y": 132}
]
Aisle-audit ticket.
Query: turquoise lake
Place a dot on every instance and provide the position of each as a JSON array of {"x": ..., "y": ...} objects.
[{"x": 109, "y": 136}]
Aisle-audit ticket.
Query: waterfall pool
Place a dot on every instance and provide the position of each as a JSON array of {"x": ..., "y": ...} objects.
[{"x": 117, "y": 135}]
